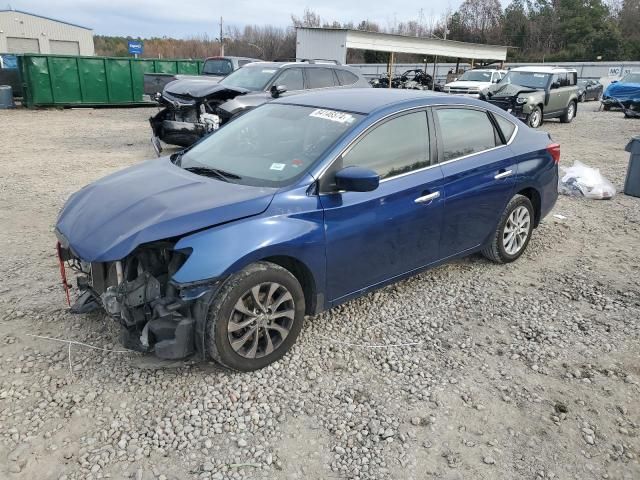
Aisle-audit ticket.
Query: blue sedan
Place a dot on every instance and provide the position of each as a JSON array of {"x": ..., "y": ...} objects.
[{"x": 299, "y": 205}]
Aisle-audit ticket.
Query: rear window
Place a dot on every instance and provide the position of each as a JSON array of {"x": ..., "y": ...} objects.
[
  {"x": 465, "y": 131},
  {"x": 505, "y": 126},
  {"x": 346, "y": 78},
  {"x": 320, "y": 77},
  {"x": 217, "y": 66}
]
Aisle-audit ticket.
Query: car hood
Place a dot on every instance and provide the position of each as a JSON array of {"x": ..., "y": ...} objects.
[
  {"x": 623, "y": 92},
  {"x": 508, "y": 90},
  {"x": 200, "y": 87},
  {"x": 468, "y": 84},
  {"x": 152, "y": 201}
]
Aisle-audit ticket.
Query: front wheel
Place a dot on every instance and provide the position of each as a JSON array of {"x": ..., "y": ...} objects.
[
  {"x": 255, "y": 317},
  {"x": 513, "y": 233},
  {"x": 534, "y": 120},
  {"x": 569, "y": 114}
]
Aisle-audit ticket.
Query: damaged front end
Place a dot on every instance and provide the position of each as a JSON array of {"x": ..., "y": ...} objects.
[
  {"x": 156, "y": 314},
  {"x": 190, "y": 113},
  {"x": 511, "y": 98}
]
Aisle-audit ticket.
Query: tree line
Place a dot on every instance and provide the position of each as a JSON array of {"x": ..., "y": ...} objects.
[{"x": 539, "y": 30}]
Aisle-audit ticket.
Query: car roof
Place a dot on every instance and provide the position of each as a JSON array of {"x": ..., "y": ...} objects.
[
  {"x": 543, "y": 69},
  {"x": 369, "y": 100},
  {"x": 300, "y": 64},
  {"x": 230, "y": 57}
]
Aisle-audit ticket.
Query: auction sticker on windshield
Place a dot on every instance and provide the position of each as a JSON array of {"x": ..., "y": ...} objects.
[
  {"x": 277, "y": 166},
  {"x": 340, "y": 117}
]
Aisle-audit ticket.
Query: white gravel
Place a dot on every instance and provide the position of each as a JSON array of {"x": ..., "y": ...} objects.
[{"x": 524, "y": 371}]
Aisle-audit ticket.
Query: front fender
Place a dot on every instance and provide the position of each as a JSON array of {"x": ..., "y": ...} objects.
[{"x": 291, "y": 227}]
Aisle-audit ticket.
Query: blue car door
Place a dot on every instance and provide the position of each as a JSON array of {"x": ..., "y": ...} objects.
[
  {"x": 479, "y": 175},
  {"x": 374, "y": 236}
]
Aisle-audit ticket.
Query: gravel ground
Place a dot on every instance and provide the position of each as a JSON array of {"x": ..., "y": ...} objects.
[{"x": 523, "y": 371}]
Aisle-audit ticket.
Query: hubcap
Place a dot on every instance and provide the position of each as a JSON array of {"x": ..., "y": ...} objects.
[
  {"x": 535, "y": 118},
  {"x": 261, "y": 320},
  {"x": 570, "y": 111},
  {"x": 516, "y": 230}
]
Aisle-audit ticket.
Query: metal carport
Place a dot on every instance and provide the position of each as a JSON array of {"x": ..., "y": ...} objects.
[{"x": 332, "y": 44}]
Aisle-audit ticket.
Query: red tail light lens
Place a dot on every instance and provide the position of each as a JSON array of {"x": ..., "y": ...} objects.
[{"x": 554, "y": 150}]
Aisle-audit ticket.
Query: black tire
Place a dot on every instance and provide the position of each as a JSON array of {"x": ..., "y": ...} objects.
[
  {"x": 534, "y": 119},
  {"x": 570, "y": 113},
  {"x": 495, "y": 250},
  {"x": 582, "y": 98},
  {"x": 606, "y": 108},
  {"x": 217, "y": 336}
]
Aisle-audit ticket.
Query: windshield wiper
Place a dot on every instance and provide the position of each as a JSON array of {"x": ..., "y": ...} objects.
[{"x": 213, "y": 172}]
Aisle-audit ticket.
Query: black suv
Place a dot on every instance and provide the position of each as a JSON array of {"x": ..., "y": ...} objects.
[{"x": 196, "y": 106}]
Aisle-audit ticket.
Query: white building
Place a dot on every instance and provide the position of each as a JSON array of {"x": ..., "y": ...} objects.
[{"x": 22, "y": 32}]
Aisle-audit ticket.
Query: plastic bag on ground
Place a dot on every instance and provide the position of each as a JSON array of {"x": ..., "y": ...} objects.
[{"x": 580, "y": 180}]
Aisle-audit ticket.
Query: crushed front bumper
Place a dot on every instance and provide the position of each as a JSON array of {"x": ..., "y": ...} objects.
[{"x": 155, "y": 314}]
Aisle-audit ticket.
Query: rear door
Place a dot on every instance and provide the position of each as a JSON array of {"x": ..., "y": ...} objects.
[
  {"x": 374, "y": 236},
  {"x": 479, "y": 175}
]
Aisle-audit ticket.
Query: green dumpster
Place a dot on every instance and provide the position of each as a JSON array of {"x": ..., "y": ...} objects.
[{"x": 65, "y": 80}]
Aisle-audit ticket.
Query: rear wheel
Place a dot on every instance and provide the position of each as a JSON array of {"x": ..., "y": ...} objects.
[
  {"x": 582, "y": 98},
  {"x": 513, "y": 233},
  {"x": 569, "y": 114},
  {"x": 255, "y": 318},
  {"x": 534, "y": 120}
]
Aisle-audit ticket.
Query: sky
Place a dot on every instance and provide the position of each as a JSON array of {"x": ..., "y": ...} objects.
[{"x": 185, "y": 18}]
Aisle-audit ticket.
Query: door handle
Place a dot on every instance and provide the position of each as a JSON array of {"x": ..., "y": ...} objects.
[
  {"x": 427, "y": 198},
  {"x": 503, "y": 174}
]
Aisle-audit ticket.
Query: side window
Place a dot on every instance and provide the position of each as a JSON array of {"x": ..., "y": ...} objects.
[
  {"x": 506, "y": 126},
  {"x": 464, "y": 132},
  {"x": 398, "y": 146},
  {"x": 321, "y": 77},
  {"x": 346, "y": 78},
  {"x": 555, "y": 81},
  {"x": 291, "y": 78},
  {"x": 572, "y": 78}
]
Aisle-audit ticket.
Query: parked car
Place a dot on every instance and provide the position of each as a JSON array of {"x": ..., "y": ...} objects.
[
  {"x": 589, "y": 90},
  {"x": 195, "y": 107},
  {"x": 472, "y": 82},
  {"x": 298, "y": 206},
  {"x": 214, "y": 69},
  {"x": 535, "y": 94},
  {"x": 624, "y": 93},
  {"x": 222, "y": 66}
]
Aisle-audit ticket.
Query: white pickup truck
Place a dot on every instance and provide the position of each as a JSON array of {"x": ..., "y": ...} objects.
[{"x": 472, "y": 82}]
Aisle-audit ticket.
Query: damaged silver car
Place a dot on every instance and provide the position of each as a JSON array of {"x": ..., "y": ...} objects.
[{"x": 195, "y": 107}]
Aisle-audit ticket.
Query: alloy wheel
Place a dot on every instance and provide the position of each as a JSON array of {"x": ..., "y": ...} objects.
[
  {"x": 516, "y": 230},
  {"x": 535, "y": 119},
  {"x": 261, "y": 320},
  {"x": 570, "y": 111}
]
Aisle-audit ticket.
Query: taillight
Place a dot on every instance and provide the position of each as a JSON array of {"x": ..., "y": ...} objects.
[{"x": 554, "y": 150}]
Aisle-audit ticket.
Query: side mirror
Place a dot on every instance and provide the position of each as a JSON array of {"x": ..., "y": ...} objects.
[
  {"x": 277, "y": 90},
  {"x": 357, "y": 179},
  {"x": 614, "y": 81}
]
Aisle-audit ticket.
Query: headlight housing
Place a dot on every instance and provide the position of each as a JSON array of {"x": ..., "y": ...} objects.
[{"x": 521, "y": 100}]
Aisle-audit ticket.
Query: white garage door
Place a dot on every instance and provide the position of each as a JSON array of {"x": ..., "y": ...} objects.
[
  {"x": 22, "y": 45},
  {"x": 64, "y": 47}
]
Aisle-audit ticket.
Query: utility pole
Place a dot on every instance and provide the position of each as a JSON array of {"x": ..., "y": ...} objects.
[{"x": 221, "y": 40}]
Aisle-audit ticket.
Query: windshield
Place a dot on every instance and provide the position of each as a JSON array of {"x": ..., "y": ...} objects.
[
  {"x": 631, "y": 78},
  {"x": 250, "y": 77},
  {"x": 270, "y": 146},
  {"x": 527, "y": 79},
  {"x": 475, "y": 76},
  {"x": 217, "y": 66}
]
